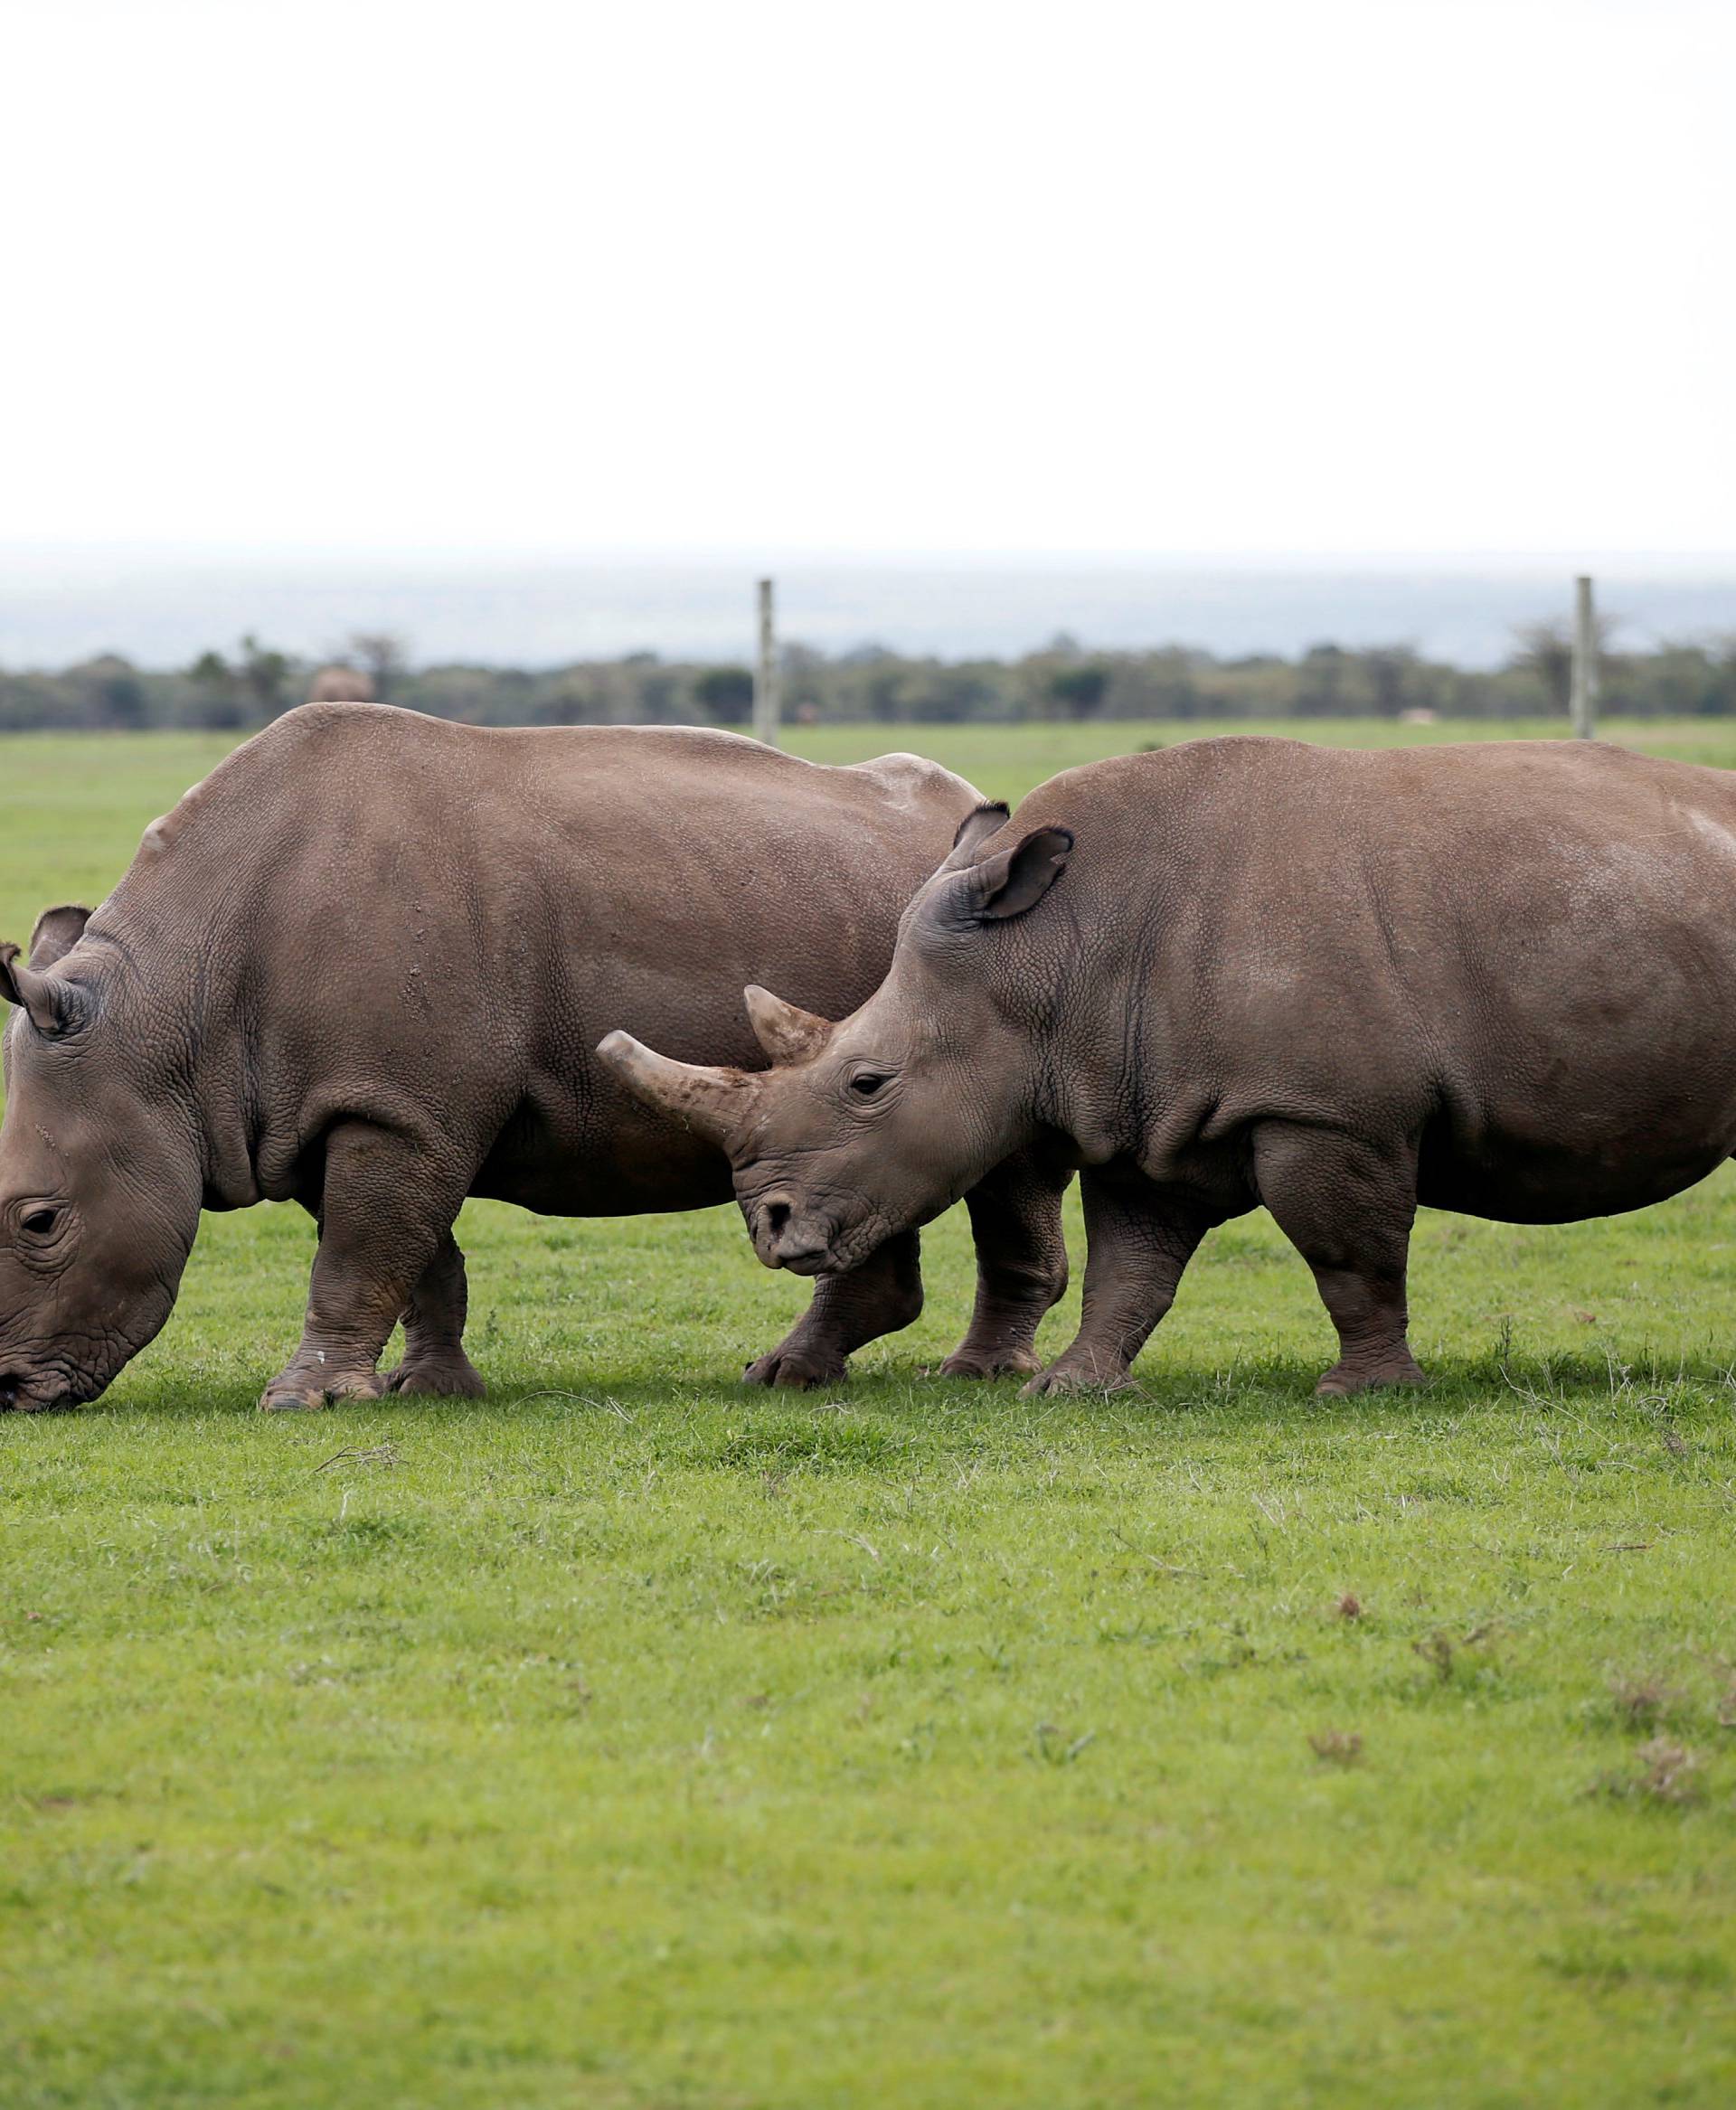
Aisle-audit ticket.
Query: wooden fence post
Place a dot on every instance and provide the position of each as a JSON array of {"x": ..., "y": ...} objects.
[
  {"x": 1585, "y": 663},
  {"x": 765, "y": 684}
]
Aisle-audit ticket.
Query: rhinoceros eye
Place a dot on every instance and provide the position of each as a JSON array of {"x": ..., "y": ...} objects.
[
  {"x": 866, "y": 1085},
  {"x": 40, "y": 1223}
]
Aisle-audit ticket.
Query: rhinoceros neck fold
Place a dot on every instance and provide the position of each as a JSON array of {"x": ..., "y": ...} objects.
[{"x": 172, "y": 945}]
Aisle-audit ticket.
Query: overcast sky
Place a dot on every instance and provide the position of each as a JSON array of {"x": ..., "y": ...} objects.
[{"x": 1207, "y": 279}]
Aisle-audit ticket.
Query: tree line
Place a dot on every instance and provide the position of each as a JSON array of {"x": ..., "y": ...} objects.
[{"x": 252, "y": 683}]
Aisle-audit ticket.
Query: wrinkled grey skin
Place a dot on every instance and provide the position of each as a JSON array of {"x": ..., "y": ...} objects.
[
  {"x": 363, "y": 967},
  {"x": 1499, "y": 979}
]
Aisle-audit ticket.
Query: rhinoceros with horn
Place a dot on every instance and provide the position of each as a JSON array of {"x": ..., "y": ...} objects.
[
  {"x": 1495, "y": 978},
  {"x": 363, "y": 967}
]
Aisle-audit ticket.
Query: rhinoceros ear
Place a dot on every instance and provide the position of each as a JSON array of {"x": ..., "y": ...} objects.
[
  {"x": 973, "y": 831},
  {"x": 785, "y": 1033},
  {"x": 712, "y": 1103},
  {"x": 49, "y": 1003},
  {"x": 57, "y": 931},
  {"x": 1013, "y": 881}
]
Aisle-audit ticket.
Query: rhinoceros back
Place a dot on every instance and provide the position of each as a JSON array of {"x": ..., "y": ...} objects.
[
  {"x": 1518, "y": 957},
  {"x": 366, "y": 909}
]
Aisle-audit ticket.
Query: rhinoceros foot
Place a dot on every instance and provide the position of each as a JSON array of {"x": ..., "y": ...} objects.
[
  {"x": 1062, "y": 1377},
  {"x": 991, "y": 1362},
  {"x": 446, "y": 1377},
  {"x": 295, "y": 1390},
  {"x": 797, "y": 1370},
  {"x": 1346, "y": 1378}
]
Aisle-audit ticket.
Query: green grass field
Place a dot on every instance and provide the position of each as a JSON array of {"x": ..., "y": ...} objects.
[{"x": 630, "y": 1740}]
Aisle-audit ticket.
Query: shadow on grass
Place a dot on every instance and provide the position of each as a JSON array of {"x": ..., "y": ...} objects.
[{"x": 853, "y": 1423}]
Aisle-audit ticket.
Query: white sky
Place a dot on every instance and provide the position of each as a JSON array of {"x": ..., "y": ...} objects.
[{"x": 1214, "y": 279}]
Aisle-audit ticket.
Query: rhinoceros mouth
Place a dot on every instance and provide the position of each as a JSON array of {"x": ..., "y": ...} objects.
[
  {"x": 816, "y": 1260},
  {"x": 21, "y": 1395}
]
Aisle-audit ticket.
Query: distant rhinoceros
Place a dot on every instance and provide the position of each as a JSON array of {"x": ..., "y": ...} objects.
[
  {"x": 1498, "y": 978},
  {"x": 363, "y": 967}
]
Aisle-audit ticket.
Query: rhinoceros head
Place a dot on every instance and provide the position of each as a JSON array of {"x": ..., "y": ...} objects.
[
  {"x": 99, "y": 1183},
  {"x": 867, "y": 1128}
]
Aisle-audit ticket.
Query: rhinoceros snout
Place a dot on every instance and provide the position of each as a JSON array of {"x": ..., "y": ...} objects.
[
  {"x": 786, "y": 1241},
  {"x": 18, "y": 1395}
]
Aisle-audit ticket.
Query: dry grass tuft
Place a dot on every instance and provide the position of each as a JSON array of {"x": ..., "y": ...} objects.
[
  {"x": 1441, "y": 1652},
  {"x": 1338, "y": 1746},
  {"x": 1668, "y": 1774},
  {"x": 1641, "y": 1703}
]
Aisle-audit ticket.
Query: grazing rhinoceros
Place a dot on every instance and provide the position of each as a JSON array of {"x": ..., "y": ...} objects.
[
  {"x": 363, "y": 967},
  {"x": 1500, "y": 979}
]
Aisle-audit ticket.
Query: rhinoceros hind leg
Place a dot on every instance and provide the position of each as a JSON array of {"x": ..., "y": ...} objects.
[
  {"x": 1138, "y": 1239},
  {"x": 434, "y": 1359},
  {"x": 1347, "y": 1207},
  {"x": 386, "y": 1201},
  {"x": 1021, "y": 1268},
  {"x": 880, "y": 1297}
]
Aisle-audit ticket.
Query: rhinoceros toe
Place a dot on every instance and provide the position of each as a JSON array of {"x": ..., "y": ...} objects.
[{"x": 280, "y": 1398}]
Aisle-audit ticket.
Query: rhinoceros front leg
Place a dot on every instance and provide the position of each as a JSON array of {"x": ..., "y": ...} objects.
[
  {"x": 1138, "y": 1239},
  {"x": 386, "y": 1203},
  {"x": 1021, "y": 1268},
  {"x": 880, "y": 1297},
  {"x": 1347, "y": 1208},
  {"x": 434, "y": 1358}
]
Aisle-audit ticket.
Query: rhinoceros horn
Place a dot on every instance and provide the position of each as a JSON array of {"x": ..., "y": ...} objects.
[
  {"x": 711, "y": 1102},
  {"x": 48, "y": 1000},
  {"x": 785, "y": 1033}
]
